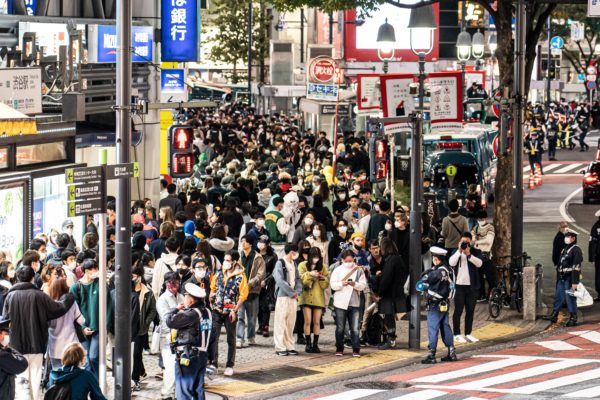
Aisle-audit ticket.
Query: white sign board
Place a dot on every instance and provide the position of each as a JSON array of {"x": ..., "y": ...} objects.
[
  {"x": 396, "y": 98},
  {"x": 21, "y": 89},
  {"x": 446, "y": 104},
  {"x": 577, "y": 31},
  {"x": 593, "y": 8},
  {"x": 369, "y": 93}
]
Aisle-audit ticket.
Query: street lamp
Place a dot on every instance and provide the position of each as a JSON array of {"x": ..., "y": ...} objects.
[
  {"x": 463, "y": 53},
  {"x": 386, "y": 42},
  {"x": 422, "y": 26},
  {"x": 493, "y": 45}
]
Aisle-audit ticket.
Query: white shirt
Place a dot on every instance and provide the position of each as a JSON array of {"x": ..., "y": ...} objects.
[
  {"x": 167, "y": 302},
  {"x": 462, "y": 275}
]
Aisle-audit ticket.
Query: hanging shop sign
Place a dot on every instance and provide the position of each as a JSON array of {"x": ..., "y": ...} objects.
[
  {"x": 396, "y": 99},
  {"x": 180, "y": 26},
  {"x": 446, "y": 100},
  {"x": 21, "y": 89},
  {"x": 321, "y": 83},
  {"x": 102, "y": 43}
]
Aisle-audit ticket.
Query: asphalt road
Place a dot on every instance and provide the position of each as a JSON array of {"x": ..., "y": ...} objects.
[{"x": 544, "y": 366}]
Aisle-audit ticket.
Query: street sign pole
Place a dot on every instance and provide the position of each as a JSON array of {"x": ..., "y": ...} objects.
[
  {"x": 122, "y": 358},
  {"x": 102, "y": 291}
]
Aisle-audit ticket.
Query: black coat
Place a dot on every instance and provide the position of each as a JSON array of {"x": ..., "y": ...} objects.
[
  {"x": 11, "y": 363},
  {"x": 391, "y": 285},
  {"x": 557, "y": 246},
  {"x": 173, "y": 202},
  {"x": 29, "y": 310}
]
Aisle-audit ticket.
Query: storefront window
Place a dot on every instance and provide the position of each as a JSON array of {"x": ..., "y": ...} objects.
[
  {"x": 50, "y": 206},
  {"x": 41, "y": 153},
  {"x": 11, "y": 222},
  {"x": 3, "y": 157}
]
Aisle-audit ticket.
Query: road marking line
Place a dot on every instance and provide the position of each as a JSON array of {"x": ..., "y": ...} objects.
[
  {"x": 568, "y": 168},
  {"x": 421, "y": 395},
  {"x": 558, "y": 382},
  {"x": 592, "y": 336},
  {"x": 527, "y": 168},
  {"x": 557, "y": 345},
  {"x": 523, "y": 374},
  {"x": 588, "y": 393},
  {"x": 487, "y": 367},
  {"x": 550, "y": 167},
  {"x": 563, "y": 208},
  {"x": 580, "y": 170},
  {"x": 352, "y": 394}
]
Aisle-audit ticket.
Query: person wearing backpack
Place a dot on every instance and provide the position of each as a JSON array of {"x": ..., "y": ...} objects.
[
  {"x": 166, "y": 263},
  {"x": 438, "y": 281},
  {"x": 453, "y": 226},
  {"x": 190, "y": 345},
  {"x": 72, "y": 381},
  {"x": 11, "y": 363}
]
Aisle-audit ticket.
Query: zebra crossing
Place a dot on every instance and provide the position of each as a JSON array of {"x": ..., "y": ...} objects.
[
  {"x": 566, "y": 366},
  {"x": 560, "y": 168}
]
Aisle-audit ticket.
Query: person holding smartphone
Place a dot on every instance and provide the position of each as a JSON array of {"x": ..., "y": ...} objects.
[
  {"x": 348, "y": 281},
  {"x": 228, "y": 291}
]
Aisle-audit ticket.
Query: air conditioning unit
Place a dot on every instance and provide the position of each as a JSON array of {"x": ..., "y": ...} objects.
[
  {"x": 317, "y": 50},
  {"x": 282, "y": 62}
]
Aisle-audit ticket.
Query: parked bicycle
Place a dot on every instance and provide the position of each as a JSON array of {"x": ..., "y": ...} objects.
[{"x": 503, "y": 297}]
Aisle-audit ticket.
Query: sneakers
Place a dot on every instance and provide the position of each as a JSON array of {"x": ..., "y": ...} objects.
[
  {"x": 355, "y": 354},
  {"x": 482, "y": 299},
  {"x": 339, "y": 353},
  {"x": 460, "y": 339},
  {"x": 211, "y": 372},
  {"x": 472, "y": 339},
  {"x": 348, "y": 343},
  {"x": 292, "y": 352},
  {"x": 136, "y": 387},
  {"x": 282, "y": 353},
  {"x": 251, "y": 342},
  {"x": 228, "y": 371},
  {"x": 239, "y": 344},
  {"x": 386, "y": 346}
]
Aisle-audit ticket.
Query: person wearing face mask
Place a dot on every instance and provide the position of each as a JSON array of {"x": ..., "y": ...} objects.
[
  {"x": 7, "y": 278},
  {"x": 51, "y": 245},
  {"x": 68, "y": 227},
  {"x": 361, "y": 224},
  {"x": 255, "y": 228},
  {"x": 201, "y": 275},
  {"x": 30, "y": 310},
  {"x": 11, "y": 362},
  {"x": 228, "y": 291},
  {"x": 318, "y": 239},
  {"x": 483, "y": 238},
  {"x": 87, "y": 296},
  {"x": 69, "y": 263},
  {"x": 277, "y": 225},
  {"x": 339, "y": 241},
  {"x": 569, "y": 273},
  {"x": 266, "y": 298},
  {"x": 183, "y": 264},
  {"x": 40, "y": 246},
  {"x": 304, "y": 230},
  {"x": 170, "y": 300},
  {"x": 400, "y": 234},
  {"x": 351, "y": 212},
  {"x": 147, "y": 315}
]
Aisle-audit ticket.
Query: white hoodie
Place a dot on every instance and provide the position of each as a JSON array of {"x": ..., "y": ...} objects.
[
  {"x": 343, "y": 294},
  {"x": 164, "y": 264}
]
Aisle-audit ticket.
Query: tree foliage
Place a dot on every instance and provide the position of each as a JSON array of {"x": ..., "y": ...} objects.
[{"x": 229, "y": 43}]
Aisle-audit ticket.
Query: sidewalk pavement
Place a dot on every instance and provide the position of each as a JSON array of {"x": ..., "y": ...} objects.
[{"x": 260, "y": 373}]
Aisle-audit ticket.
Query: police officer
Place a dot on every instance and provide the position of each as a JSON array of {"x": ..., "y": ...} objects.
[
  {"x": 569, "y": 270},
  {"x": 193, "y": 325},
  {"x": 438, "y": 281},
  {"x": 12, "y": 363},
  {"x": 551, "y": 128},
  {"x": 594, "y": 253}
]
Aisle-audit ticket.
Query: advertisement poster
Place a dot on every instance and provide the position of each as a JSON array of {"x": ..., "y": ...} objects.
[
  {"x": 397, "y": 101},
  {"x": 21, "y": 89},
  {"x": 446, "y": 104},
  {"x": 369, "y": 92},
  {"x": 102, "y": 46},
  {"x": 11, "y": 222}
]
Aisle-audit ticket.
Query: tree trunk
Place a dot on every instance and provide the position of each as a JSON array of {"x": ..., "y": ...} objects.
[{"x": 234, "y": 79}]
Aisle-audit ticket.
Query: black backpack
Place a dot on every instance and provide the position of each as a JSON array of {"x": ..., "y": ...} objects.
[
  {"x": 375, "y": 327},
  {"x": 59, "y": 391}
]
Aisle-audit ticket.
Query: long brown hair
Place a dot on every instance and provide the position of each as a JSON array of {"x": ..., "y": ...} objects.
[{"x": 58, "y": 288}]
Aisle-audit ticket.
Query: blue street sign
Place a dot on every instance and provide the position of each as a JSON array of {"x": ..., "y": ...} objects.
[
  {"x": 557, "y": 42},
  {"x": 30, "y": 6},
  {"x": 180, "y": 30},
  {"x": 581, "y": 77},
  {"x": 172, "y": 80},
  {"x": 591, "y": 85},
  {"x": 142, "y": 38}
]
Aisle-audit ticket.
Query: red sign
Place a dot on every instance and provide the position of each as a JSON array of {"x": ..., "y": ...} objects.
[
  {"x": 322, "y": 69},
  {"x": 495, "y": 145}
]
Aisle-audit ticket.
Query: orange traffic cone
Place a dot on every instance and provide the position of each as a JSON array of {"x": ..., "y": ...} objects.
[
  {"x": 531, "y": 181},
  {"x": 538, "y": 175}
]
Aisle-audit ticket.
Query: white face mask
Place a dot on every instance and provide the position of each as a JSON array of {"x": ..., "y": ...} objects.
[
  {"x": 356, "y": 188},
  {"x": 95, "y": 275},
  {"x": 567, "y": 240},
  {"x": 261, "y": 246},
  {"x": 72, "y": 265},
  {"x": 260, "y": 223},
  {"x": 6, "y": 340},
  {"x": 43, "y": 256},
  {"x": 347, "y": 264},
  {"x": 309, "y": 221},
  {"x": 377, "y": 207},
  {"x": 342, "y": 196},
  {"x": 316, "y": 233},
  {"x": 342, "y": 229},
  {"x": 201, "y": 274},
  {"x": 388, "y": 226},
  {"x": 11, "y": 274},
  {"x": 226, "y": 265},
  {"x": 397, "y": 224},
  {"x": 481, "y": 223}
]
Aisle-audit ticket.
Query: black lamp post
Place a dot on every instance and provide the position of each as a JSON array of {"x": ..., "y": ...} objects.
[
  {"x": 463, "y": 53},
  {"x": 386, "y": 42}
]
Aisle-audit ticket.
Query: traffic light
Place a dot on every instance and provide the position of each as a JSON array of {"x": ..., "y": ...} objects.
[
  {"x": 181, "y": 151},
  {"x": 379, "y": 158}
]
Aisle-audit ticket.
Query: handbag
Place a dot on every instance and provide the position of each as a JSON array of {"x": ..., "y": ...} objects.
[
  {"x": 155, "y": 344},
  {"x": 584, "y": 298},
  {"x": 79, "y": 330}
]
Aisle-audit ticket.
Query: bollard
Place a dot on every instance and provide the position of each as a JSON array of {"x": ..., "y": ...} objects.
[{"x": 529, "y": 293}]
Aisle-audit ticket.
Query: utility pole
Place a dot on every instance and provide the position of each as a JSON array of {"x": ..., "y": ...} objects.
[
  {"x": 518, "y": 119},
  {"x": 302, "y": 35},
  {"x": 122, "y": 354},
  {"x": 250, "y": 23},
  {"x": 330, "y": 28},
  {"x": 548, "y": 87}
]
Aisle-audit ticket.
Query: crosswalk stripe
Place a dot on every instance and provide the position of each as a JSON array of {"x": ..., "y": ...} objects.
[
  {"x": 558, "y": 382},
  {"x": 588, "y": 393},
  {"x": 567, "y": 168},
  {"x": 421, "y": 395},
  {"x": 523, "y": 374},
  {"x": 476, "y": 369},
  {"x": 580, "y": 170},
  {"x": 592, "y": 336},
  {"x": 550, "y": 167},
  {"x": 526, "y": 169},
  {"x": 352, "y": 394},
  {"x": 557, "y": 345}
]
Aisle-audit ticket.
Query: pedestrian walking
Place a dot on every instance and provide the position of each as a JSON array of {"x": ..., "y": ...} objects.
[
  {"x": 12, "y": 362},
  {"x": 147, "y": 316},
  {"x": 254, "y": 268},
  {"x": 453, "y": 226}
]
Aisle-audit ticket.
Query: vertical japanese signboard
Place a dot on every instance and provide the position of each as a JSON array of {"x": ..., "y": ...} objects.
[
  {"x": 396, "y": 99},
  {"x": 180, "y": 27},
  {"x": 446, "y": 100},
  {"x": 369, "y": 93}
]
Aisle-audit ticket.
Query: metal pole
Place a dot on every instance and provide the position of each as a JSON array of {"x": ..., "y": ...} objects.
[
  {"x": 122, "y": 358},
  {"x": 548, "y": 100},
  {"x": 416, "y": 190},
  {"x": 330, "y": 28},
  {"x": 338, "y": 72},
  {"x": 103, "y": 288},
  {"x": 392, "y": 163},
  {"x": 463, "y": 65},
  {"x": 250, "y": 23},
  {"x": 519, "y": 94},
  {"x": 302, "y": 35}
]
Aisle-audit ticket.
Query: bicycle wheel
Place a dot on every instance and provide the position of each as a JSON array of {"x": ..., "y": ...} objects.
[
  {"x": 495, "y": 303},
  {"x": 519, "y": 299}
]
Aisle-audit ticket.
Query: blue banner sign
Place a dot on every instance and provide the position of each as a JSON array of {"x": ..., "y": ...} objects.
[
  {"x": 102, "y": 43},
  {"x": 172, "y": 80},
  {"x": 180, "y": 26},
  {"x": 30, "y": 6}
]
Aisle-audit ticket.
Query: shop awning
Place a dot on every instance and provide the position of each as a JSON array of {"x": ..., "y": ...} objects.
[{"x": 13, "y": 123}]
